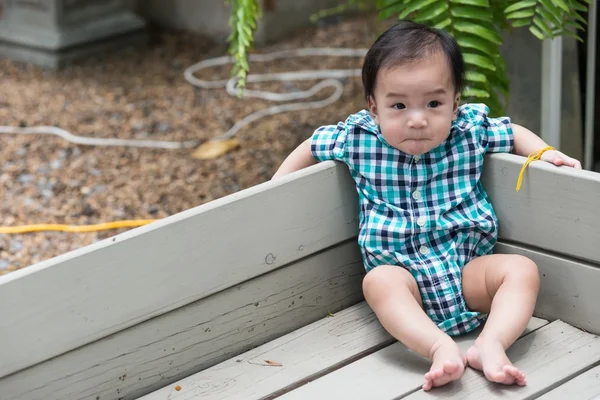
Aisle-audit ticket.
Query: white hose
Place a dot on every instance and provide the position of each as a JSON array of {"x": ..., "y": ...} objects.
[{"x": 330, "y": 80}]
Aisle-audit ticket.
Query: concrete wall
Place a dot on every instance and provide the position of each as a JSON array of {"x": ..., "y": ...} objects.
[{"x": 211, "y": 17}]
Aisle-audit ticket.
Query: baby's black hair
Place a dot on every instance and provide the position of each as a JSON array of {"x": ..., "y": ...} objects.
[{"x": 408, "y": 41}]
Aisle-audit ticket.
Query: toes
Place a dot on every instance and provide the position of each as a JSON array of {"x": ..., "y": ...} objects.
[
  {"x": 427, "y": 385},
  {"x": 498, "y": 376},
  {"x": 514, "y": 372},
  {"x": 450, "y": 367},
  {"x": 435, "y": 374}
]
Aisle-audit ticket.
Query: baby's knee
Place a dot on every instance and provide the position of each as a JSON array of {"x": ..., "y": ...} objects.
[
  {"x": 386, "y": 279},
  {"x": 525, "y": 270}
]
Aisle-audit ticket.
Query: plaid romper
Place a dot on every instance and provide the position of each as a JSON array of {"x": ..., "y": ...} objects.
[{"x": 430, "y": 213}]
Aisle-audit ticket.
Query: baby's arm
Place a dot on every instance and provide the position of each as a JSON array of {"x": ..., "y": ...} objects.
[
  {"x": 527, "y": 142},
  {"x": 300, "y": 158}
]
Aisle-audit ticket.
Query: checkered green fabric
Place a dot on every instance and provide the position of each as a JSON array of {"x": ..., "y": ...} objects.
[{"x": 429, "y": 214}]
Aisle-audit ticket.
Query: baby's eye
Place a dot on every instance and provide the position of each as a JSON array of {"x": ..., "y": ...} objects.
[
  {"x": 399, "y": 106},
  {"x": 434, "y": 104}
]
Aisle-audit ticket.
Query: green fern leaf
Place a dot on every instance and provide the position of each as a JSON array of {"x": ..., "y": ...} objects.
[
  {"x": 478, "y": 3},
  {"x": 517, "y": 23},
  {"x": 470, "y": 12},
  {"x": 579, "y": 7},
  {"x": 552, "y": 9},
  {"x": 443, "y": 24},
  {"x": 475, "y": 76},
  {"x": 481, "y": 31},
  {"x": 479, "y": 60},
  {"x": 540, "y": 23},
  {"x": 520, "y": 5},
  {"x": 573, "y": 35},
  {"x": 580, "y": 19},
  {"x": 548, "y": 16},
  {"x": 521, "y": 14},
  {"x": 414, "y": 6},
  {"x": 562, "y": 5},
  {"x": 467, "y": 41},
  {"x": 431, "y": 12},
  {"x": 476, "y": 93},
  {"x": 536, "y": 32}
]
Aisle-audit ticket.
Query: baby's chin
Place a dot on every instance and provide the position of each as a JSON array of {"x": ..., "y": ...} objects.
[{"x": 416, "y": 147}]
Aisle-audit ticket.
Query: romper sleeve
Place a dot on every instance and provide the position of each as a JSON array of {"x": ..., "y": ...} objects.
[
  {"x": 495, "y": 134},
  {"x": 329, "y": 142}
]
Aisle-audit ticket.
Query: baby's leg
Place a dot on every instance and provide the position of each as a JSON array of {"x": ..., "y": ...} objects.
[
  {"x": 393, "y": 295},
  {"x": 506, "y": 287}
]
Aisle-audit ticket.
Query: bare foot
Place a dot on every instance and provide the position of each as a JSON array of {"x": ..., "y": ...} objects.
[
  {"x": 448, "y": 364},
  {"x": 489, "y": 356}
]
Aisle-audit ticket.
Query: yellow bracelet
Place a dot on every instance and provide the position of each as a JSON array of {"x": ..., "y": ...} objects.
[{"x": 536, "y": 155}]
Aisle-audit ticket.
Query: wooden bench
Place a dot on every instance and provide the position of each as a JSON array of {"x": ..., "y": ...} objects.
[{"x": 258, "y": 295}]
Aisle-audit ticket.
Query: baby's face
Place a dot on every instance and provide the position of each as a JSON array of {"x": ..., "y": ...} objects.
[{"x": 415, "y": 104}]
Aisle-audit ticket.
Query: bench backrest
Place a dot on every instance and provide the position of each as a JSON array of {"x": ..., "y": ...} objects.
[{"x": 125, "y": 316}]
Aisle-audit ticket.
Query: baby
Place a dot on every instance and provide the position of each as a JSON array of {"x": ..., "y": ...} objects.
[{"x": 427, "y": 229}]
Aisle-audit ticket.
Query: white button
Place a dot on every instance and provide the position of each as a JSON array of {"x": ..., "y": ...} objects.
[
  {"x": 417, "y": 158},
  {"x": 424, "y": 250},
  {"x": 421, "y": 221},
  {"x": 416, "y": 195}
]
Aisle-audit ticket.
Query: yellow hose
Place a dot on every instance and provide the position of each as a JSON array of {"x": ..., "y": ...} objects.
[{"x": 73, "y": 228}]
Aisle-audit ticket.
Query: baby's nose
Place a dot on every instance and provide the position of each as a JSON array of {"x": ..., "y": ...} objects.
[{"x": 417, "y": 122}]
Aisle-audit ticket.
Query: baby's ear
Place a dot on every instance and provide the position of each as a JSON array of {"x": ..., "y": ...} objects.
[
  {"x": 373, "y": 109},
  {"x": 455, "y": 105}
]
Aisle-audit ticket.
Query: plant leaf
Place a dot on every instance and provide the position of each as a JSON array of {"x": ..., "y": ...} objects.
[
  {"x": 478, "y": 3},
  {"x": 548, "y": 5},
  {"x": 548, "y": 16},
  {"x": 477, "y": 93},
  {"x": 215, "y": 148},
  {"x": 476, "y": 43},
  {"x": 414, "y": 6},
  {"x": 443, "y": 24},
  {"x": 478, "y": 30},
  {"x": 562, "y": 5},
  {"x": 480, "y": 61},
  {"x": 475, "y": 76},
  {"x": 536, "y": 32},
  {"x": 521, "y": 14},
  {"x": 520, "y": 5},
  {"x": 543, "y": 26},
  {"x": 517, "y": 23},
  {"x": 431, "y": 12},
  {"x": 471, "y": 12}
]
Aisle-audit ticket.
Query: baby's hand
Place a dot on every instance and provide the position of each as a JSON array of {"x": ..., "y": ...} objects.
[{"x": 558, "y": 158}]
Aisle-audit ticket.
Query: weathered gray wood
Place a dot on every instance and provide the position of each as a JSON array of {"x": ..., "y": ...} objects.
[
  {"x": 88, "y": 294},
  {"x": 157, "y": 268},
  {"x": 304, "y": 354},
  {"x": 556, "y": 208},
  {"x": 551, "y": 355},
  {"x": 583, "y": 387},
  {"x": 385, "y": 374},
  {"x": 152, "y": 354},
  {"x": 569, "y": 290}
]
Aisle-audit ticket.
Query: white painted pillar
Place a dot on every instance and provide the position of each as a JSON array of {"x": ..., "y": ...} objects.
[
  {"x": 552, "y": 51},
  {"x": 590, "y": 84}
]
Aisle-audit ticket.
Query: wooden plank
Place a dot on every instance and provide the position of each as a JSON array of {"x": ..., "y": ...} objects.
[
  {"x": 550, "y": 356},
  {"x": 85, "y": 295},
  {"x": 385, "y": 374},
  {"x": 584, "y": 386},
  {"x": 152, "y": 354},
  {"x": 568, "y": 289},
  {"x": 304, "y": 354},
  {"x": 557, "y": 208}
]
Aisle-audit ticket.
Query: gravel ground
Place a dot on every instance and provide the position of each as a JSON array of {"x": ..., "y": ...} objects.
[{"x": 139, "y": 94}]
